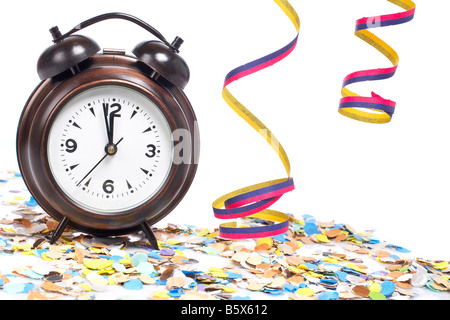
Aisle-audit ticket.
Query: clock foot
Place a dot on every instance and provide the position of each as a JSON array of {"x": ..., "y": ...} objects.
[
  {"x": 149, "y": 234},
  {"x": 59, "y": 230}
]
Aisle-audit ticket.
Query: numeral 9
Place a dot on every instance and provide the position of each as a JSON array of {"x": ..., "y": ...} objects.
[{"x": 71, "y": 145}]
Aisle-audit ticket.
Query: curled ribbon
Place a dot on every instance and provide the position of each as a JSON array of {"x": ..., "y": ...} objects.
[
  {"x": 254, "y": 201},
  {"x": 382, "y": 109}
]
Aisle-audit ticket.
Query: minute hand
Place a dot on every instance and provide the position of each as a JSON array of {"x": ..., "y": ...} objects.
[{"x": 108, "y": 125}]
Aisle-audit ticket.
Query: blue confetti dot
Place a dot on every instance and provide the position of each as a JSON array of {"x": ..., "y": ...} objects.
[
  {"x": 310, "y": 266},
  {"x": 342, "y": 276},
  {"x": 176, "y": 293},
  {"x": 328, "y": 281},
  {"x": 233, "y": 275},
  {"x": 328, "y": 295},
  {"x": 137, "y": 258},
  {"x": 289, "y": 287},
  {"x": 154, "y": 255},
  {"x": 387, "y": 288},
  {"x": 133, "y": 284},
  {"x": 310, "y": 228},
  {"x": 31, "y": 202},
  {"x": 12, "y": 288},
  {"x": 281, "y": 237}
]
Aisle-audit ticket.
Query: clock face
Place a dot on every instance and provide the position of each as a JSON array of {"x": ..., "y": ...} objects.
[{"x": 110, "y": 149}]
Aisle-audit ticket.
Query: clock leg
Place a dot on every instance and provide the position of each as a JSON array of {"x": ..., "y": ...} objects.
[
  {"x": 149, "y": 234},
  {"x": 59, "y": 230}
]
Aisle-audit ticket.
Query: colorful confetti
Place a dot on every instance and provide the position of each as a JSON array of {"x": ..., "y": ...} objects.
[{"x": 314, "y": 260}]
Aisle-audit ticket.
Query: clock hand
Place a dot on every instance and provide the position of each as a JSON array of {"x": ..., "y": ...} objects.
[
  {"x": 111, "y": 127},
  {"x": 113, "y": 115},
  {"x": 103, "y": 158},
  {"x": 108, "y": 128}
]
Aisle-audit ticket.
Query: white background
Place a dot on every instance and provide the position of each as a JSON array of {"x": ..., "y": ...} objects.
[{"x": 393, "y": 178}]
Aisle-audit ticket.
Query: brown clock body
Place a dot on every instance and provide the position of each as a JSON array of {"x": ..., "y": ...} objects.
[{"x": 48, "y": 99}]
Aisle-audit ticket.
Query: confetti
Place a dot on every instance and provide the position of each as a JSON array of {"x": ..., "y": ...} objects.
[
  {"x": 377, "y": 296},
  {"x": 328, "y": 295},
  {"x": 307, "y": 292},
  {"x": 314, "y": 260},
  {"x": 310, "y": 228},
  {"x": 145, "y": 268},
  {"x": 138, "y": 258},
  {"x": 14, "y": 288},
  {"x": 361, "y": 291},
  {"x": 133, "y": 284},
  {"x": 387, "y": 288}
]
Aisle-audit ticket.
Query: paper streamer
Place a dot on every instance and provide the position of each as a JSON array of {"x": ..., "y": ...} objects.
[
  {"x": 379, "y": 110},
  {"x": 254, "y": 201}
]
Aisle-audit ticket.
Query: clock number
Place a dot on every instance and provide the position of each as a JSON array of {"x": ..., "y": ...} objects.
[
  {"x": 114, "y": 113},
  {"x": 151, "y": 151},
  {"x": 108, "y": 186},
  {"x": 71, "y": 146}
]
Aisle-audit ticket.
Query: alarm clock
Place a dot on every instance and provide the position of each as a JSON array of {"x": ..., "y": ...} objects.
[{"x": 107, "y": 143}]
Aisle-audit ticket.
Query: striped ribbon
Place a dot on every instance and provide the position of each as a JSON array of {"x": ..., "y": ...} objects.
[
  {"x": 379, "y": 110},
  {"x": 254, "y": 201}
]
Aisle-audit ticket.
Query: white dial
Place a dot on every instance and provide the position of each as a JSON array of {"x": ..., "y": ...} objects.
[{"x": 110, "y": 149}]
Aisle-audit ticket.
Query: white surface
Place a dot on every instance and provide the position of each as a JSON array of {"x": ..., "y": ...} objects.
[{"x": 392, "y": 178}]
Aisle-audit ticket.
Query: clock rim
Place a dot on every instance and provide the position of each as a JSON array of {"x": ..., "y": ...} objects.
[{"x": 128, "y": 72}]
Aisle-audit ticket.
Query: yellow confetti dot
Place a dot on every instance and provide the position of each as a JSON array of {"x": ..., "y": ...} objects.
[
  {"x": 126, "y": 259},
  {"x": 267, "y": 241},
  {"x": 356, "y": 268},
  {"x": 217, "y": 272},
  {"x": 85, "y": 287},
  {"x": 305, "y": 292},
  {"x": 173, "y": 241},
  {"x": 313, "y": 274},
  {"x": 229, "y": 289},
  {"x": 441, "y": 265},
  {"x": 161, "y": 295},
  {"x": 22, "y": 246},
  {"x": 354, "y": 240},
  {"x": 203, "y": 233},
  {"x": 322, "y": 238},
  {"x": 96, "y": 250},
  {"x": 330, "y": 260},
  {"x": 375, "y": 287},
  {"x": 19, "y": 198},
  {"x": 97, "y": 264},
  {"x": 45, "y": 258},
  {"x": 180, "y": 253},
  {"x": 86, "y": 271},
  {"x": 294, "y": 269},
  {"x": 211, "y": 235},
  {"x": 106, "y": 271}
]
